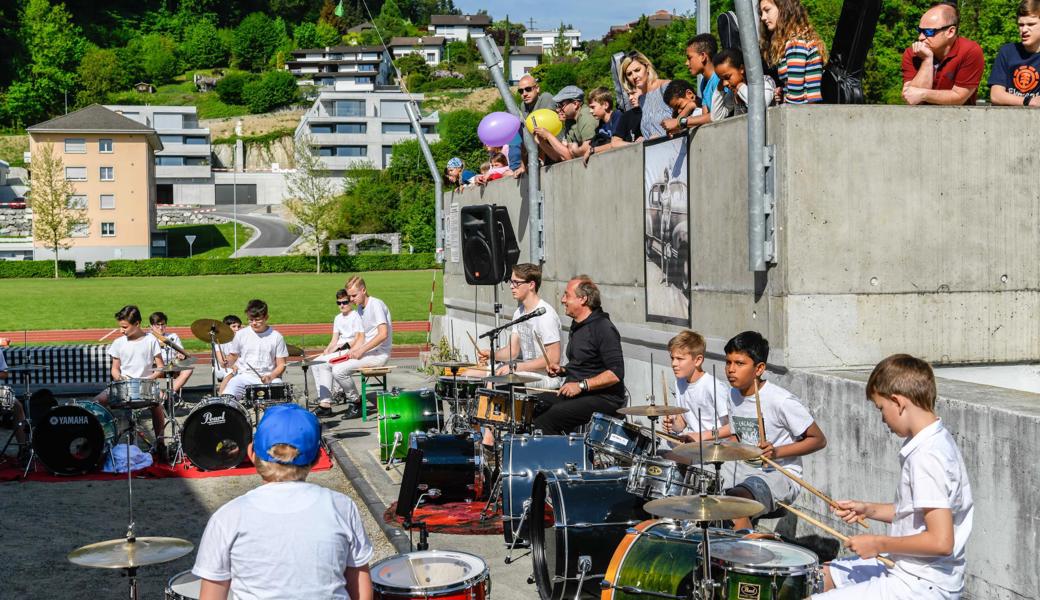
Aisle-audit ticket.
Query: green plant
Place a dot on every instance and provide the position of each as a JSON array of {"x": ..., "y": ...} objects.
[
  {"x": 274, "y": 89},
  {"x": 231, "y": 86},
  {"x": 442, "y": 351},
  {"x": 35, "y": 269},
  {"x": 165, "y": 267}
]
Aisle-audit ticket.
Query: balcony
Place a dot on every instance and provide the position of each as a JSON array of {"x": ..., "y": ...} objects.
[{"x": 182, "y": 171}]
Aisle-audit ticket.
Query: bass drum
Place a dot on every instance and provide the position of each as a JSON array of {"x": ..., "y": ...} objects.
[
  {"x": 451, "y": 463},
  {"x": 577, "y": 520},
  {"x": 661, "y": 558},
  {"x": 74, "y": 438},
  {"x": 216, "y": 433}
]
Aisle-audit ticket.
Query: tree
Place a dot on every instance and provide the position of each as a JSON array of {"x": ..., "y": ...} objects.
[
  {"x": 100, "y": 74},
  {"x": 311, "y": 198},
  {"x": 327, "y": 35},
  {"x": 255, "y": 41},
  {"x": 561, "y": 45},
  {"x": 305, "y": 35},
  {"x": 230, "y": 87},
  {"x": 157, "y": 55},
  {"x": 202, "y": 47},
  {"x": 54, "y": 218},
  {"x": 274, "y": 89}
]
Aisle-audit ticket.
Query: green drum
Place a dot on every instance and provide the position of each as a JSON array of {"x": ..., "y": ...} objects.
[
  {"x": 765, "y": 570},
  {"x": 659, "y": 558},
  {"x": 401, "y": 414}
]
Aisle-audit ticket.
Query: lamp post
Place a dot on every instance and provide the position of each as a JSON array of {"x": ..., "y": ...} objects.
[{"x": 234, "y": 187}]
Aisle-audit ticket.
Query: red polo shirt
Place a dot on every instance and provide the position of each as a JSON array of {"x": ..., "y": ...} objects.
[{"x": 962, "y": 67}]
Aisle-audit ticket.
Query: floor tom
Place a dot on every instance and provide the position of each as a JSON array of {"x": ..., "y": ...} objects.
[{"x": 431, "y": 575}]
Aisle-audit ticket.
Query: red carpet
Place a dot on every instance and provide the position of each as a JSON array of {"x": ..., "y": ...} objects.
[
  {"x": 8, "y": 472},
  {"x": 459, "y": 518}
]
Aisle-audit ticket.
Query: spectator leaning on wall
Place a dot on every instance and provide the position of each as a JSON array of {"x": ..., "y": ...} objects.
[
  {"x": 1015, "y": 78},
  {"x": 941, "y": 67}
]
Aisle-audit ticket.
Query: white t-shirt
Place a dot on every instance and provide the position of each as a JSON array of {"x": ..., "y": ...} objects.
[
  {"x": 347, "y": 326},
  {"x": 374, "y": 314},
  {"x": 703, "y": 396},
  {"x": 169, "y": 354},
  {"x": 783, "y": 415},
  {"x": 284, "y": 541},
  {"x": 136, "y": 357},
  {"x": 547, "y": 326},
  {"x": 932, "y": 475},
  {"x": 258, "y": 350}
]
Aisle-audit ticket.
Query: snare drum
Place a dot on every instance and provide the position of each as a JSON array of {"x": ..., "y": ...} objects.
[
  {"x": 263, "y": 395},
  {"x": 492, "y": 408},
  {"x": 216, "y": 433},
  {"x": 466, "y": 386},
  {"x": 613, "y": 436},
  {"x": 74, "y": 438},
  {"x": 765, "y": 570},
  {"x": 431, "y": 574},
  {"x": 184, "y": 586},
  {"x": 657, "y": 478},
  {"x": 134, "y": 393}
]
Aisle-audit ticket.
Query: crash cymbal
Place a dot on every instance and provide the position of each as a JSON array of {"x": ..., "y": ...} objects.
[
  {"x": 294, "y": 350},
  {"x": 176, "y": 367},
  {"x": 714, "y": 452},
  {"x": 513, "y": 379},
  {"x": 311, "y": 363},
  {"x": 652, "y": 410},
  {"x": 454, "y": 364},
  {"x": 202, "y": 327},
  {"x": 25, "y": 368},
  {"x": 703, "y": 507},
  {"x": 123, "y": 554}
]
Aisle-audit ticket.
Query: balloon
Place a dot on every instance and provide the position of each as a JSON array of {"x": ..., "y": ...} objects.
[
  {"x": 498, "y": 128},
  {"x": 544, "y": 117}
]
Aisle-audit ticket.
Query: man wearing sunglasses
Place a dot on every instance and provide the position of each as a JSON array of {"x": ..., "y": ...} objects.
[
  {"x": 941, "y": 67},
  {"x": 532, "y": 97},
  {"x": 346, "y": 328}
]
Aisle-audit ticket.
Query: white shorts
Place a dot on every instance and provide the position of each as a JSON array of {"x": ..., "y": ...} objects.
[{"x": 867, "y": 579}]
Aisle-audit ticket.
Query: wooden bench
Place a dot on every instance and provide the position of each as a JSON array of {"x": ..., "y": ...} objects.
[{"x": 379, "y": 375}]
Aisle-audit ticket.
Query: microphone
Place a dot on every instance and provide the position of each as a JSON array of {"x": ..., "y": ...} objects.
[{"x": 535, "y": 313}]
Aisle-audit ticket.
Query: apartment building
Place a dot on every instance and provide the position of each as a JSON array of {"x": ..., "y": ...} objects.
[
  {"x": 345, "y": 128},
  {"x": 183, "y": 168},
  {"x": 431, "y": 48},
  {"x": 522, "y": 60},
  {"x": 342, "y": 68},
  {"x": 546, "y": 39},
  {"x": 110, "y": 160},
  {"x": 459, "y": 28}
]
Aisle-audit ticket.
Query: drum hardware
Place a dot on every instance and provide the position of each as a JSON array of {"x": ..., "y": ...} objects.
[
  {"x": 393, "y": 451},
  {"x": 409, "y": 524},
  {"x": 455, "y": 423}
]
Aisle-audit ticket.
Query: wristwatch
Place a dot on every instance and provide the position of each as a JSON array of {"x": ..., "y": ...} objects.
[
  {"x": 1027, "y": 99},
  {"x": 584, "y": 385},
  {"x": 682, "y": 121}
]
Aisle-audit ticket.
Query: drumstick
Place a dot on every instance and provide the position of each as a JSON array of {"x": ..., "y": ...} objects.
[
  {"x": 541, "y": 346},
  {"x": 844, "y": 538},
  {"x": 664, "y": 389},
  {"x": 539, "y": 390},
  {"x": 670, "y": 438},
  {"x": 758, "y": 410},
  {"x": 476, "y": 348},
  {"x": 811, "y": 489}
]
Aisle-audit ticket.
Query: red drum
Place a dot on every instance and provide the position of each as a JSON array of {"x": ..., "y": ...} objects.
[{"x": 440, "y": 574}]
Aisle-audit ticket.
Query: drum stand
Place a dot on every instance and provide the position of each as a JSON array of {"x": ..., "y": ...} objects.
[
  {"x": 175, "y": 454},
  {"x": 452, "y": 421}
]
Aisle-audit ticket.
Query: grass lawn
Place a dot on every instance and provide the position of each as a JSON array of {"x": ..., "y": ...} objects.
[
  {"x": 292, "y": 298},
  {"x": 211, "y": 241}
]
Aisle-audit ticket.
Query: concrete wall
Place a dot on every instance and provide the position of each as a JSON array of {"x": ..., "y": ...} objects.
[{"x": 271, "y": 188}]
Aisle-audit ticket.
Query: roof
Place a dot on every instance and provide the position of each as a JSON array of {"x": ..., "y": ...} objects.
[
  {"x": 523, "y": 50},
  {"x": 430, "y": 40},
  {"x": 334, "y": 49},
  {"x": 472, "y": 20},
  {"x": 365, "y": 26},
  {"x": 552, "y": 32},
  {"x": 96, "y": 119}
]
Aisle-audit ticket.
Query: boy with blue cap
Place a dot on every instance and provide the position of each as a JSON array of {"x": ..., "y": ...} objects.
[{"x": 287, "y": 538}]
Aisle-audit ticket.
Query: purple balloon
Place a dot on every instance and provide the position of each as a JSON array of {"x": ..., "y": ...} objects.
[{"x": 498, "y": 128}]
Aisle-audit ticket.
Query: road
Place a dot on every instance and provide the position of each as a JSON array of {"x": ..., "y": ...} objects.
[{"x": 272, "y": 234}]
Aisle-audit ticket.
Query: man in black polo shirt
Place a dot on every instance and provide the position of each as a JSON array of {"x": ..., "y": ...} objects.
[{"x": 595, "y": 371}]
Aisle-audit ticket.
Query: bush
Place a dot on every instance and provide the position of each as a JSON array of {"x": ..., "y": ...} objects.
[
  {"x": 256, "y": 39},
  {"x": 157, "y": 56},
  {"x": 179, "y": 267},
  {"x": 230, "y": 87},
  {"x": 274, "y": 89},
  {"x": 39, "y": 269}
]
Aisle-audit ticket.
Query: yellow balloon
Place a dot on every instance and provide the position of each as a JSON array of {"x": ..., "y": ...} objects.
[{"x": 544, "y": 117}]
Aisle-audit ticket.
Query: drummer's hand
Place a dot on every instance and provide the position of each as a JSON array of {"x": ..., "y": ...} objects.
[
  {"x": 554, "y": 369},
  {"x": 483, "y": 356},
  {"x": 850, "y": 511},
  {"x": 866, "y": 545},
  {"x": 266, "y": 379},
  {"x": 768, "y": 450},
  {"x": 570, "y": 389},
  {"x": 502, "y": 370}
]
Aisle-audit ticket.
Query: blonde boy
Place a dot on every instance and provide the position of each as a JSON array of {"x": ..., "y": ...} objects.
[{"x": 696, "y": 391}]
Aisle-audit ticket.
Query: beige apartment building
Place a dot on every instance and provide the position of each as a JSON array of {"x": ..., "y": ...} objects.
[{"x": 110, "y": 160}]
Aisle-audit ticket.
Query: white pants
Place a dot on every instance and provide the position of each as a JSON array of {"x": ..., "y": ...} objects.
[
  {"x": 322, "y": 374},
  {"x": 237, "y": 385},
  {"x": 342, "y": 373},
  {"x": 866, "y": 578}
]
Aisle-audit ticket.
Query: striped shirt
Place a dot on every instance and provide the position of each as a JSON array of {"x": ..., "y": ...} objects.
[
  {"x": 655, "y": 110},
  {"x": 801, "y": 71}
]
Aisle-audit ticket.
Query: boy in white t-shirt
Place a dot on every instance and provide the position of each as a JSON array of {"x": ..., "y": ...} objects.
[
  {"x": 158, "y": 323},
  {"x": 697, "y": 392},
  {"x": 931, "y": 517},
  {"x": 790, "y": 431},
  {"x": 373, "y": 350},
  {"x": 223, "y": 365},
  {"x": 287, "y": 539},
  {"x": 257, "y": 354},
  {"x": 347, "y": 331}
]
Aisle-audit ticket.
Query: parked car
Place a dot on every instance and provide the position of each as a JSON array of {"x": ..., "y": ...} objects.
[{"x": 16, "y": 203}]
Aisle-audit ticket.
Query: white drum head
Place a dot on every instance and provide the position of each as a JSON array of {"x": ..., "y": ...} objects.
[
  {"x": 430, "y": 570},
  {"x": 754, "y": 556},
  {"x": 184, "y": 586}
]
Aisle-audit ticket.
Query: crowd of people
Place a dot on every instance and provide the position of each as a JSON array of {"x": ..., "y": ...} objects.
[{"x": 941, "y": 67}]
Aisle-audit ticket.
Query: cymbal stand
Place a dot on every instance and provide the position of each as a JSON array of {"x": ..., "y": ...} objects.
[
  {"x": 174, "y": 456},
  {"x": 30, "y": 464},
  {"x": 306, "y": 384},
  {"x": 131, "y": 537},
  {"x": 213, "y": 358}
]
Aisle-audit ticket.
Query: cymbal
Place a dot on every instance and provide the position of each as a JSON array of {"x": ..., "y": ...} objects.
[
  {"x": 311, "y": 363},
  {"x": 512, "y": 379},
  {"x": 294, "y": 350},
  {"x": 651, "y": 410},
  {"x": 454, "y": 364},
  {"x": 703, "y": 507},
  {"x": 123, "y": 554},
  {"x": 202, "y": 327},
  {"x": 25, "y": 368},
  {"x": 176, "y": 367},
  {"x": 714, "y": 452}
]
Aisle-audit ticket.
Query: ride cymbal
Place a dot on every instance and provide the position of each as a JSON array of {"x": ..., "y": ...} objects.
[
  {"x": 703, "y": 507},
  {"x": 651, "y": 410},
  {"x": 202, "y": 327},
  {"x": 125, "y": 554},
  {"x": 714, "y": 452}
]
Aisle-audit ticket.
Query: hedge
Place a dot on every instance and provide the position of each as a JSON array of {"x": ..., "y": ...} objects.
[
  {"x": 10, "y": 269},
  {"x": 167, "y": 267}
]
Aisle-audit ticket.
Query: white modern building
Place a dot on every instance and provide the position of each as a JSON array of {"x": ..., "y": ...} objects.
[
  {"x": 183, "y": 170},
  {"x": 342, "y": 68},
  {"x": 459, "y": 28},
  {"x": 522, "y": 60},
  {"x": 345, "y": 128},
  {"x": 431, "y": 48},
  {"x": 546, "y": 39}
]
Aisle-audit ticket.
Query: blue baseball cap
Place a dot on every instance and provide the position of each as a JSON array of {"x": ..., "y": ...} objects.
[
  {"x": 288, "y": 424},
  {"x": 455, "y": 162}
]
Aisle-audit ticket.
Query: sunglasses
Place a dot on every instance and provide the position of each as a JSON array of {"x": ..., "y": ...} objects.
[
  {"x": 342, "y": 302},
  {"x": 526, "y": 89},
  {"x": 932, "y": 31}
]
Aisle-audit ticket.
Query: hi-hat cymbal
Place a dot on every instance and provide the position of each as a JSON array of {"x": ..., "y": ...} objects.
[
  {"x": 512, "y": 379},
  {"x": 454, "y": 364},
  {"x": 311, "y": 363},
  {"x": 25, "y": 368},
  {"x": 651, "y": 410},
  {"x": 703, "y": 507},
  {"x": 202, "y": 327},
  {"x": 124, "y": 554},
  {"x": 294, "y": 350},
  {"x": 714, "y": 452},
  {"x": 176, "y": 367}
]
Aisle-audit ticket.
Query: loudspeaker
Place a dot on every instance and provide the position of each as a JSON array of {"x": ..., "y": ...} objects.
[{"x": 489, "y": 250}]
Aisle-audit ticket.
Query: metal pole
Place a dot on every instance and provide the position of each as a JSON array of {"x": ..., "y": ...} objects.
[
  {"x": 703, "y": 16},
  {"x": 535, "y": 219},
  {"x": 438, "y": 191},
  {"x": 234, "y": 189},
  {"x": 758, "y": 153}
]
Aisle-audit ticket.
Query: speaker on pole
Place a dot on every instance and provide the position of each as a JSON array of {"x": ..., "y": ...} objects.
[{"x": 489, "y": 249}]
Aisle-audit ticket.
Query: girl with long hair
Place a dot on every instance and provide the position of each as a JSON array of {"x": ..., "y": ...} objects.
[{"x": 791, "y": 46}]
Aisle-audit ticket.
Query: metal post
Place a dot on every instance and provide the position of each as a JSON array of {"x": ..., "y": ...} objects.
[
  {"x": 535, "y": 221},
  {"x": 234, "y": 188},
  {"x": 703, "y": 16},
  {"x": 438, "y": 191},
  {"x": 759, "y": 155}
]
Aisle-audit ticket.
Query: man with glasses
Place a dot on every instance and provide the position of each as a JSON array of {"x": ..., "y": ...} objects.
[
  {"x": 257, "y": 354},
  {"x": 347, "y": 332},
  {"x": 372, "y": 349},
  {"x": 579, "y": 127},
  {"x": 532, "y": 98},
  {"x": 941, "y": 67}
]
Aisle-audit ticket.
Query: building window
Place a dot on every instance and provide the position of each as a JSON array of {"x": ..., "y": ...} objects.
[
  {"x": 170, "y": 139},
  {"x": 347, "y": 151},
  {"x": 168, "y": 121},
  {"x": 351, "y": 128},
  {"x": 108, "y": 173},
  {"x": 195, "y": 140},
  {"x": 108, "y": 230},
  {"x": 397, "y": 128},
  {"x": 80, "y": 230},
  {"x": 108, "y": 201},
  {"x": 326, "y": 81},
  {"x": 367, "y": 68},
  {"x": 104, "y": 146},
  {"x": 77, "y": 202},
  {"x": 393, "y": 109},
  {"x": 169, "y": 161},
  {"x": 364, "y": 80},
  {"x": 387, "y": 153},
  {"x": 431, "y": 57},
  {"x": 321, "y": 128},
  {"x": 75, "y": 146},
  {"x": 349, "y": 108},
  {"x": 196, "y": 161},
  {"x": 76, "y": 173}
]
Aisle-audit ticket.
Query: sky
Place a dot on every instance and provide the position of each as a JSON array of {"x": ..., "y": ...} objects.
[{"x": 592, "y": 18}]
